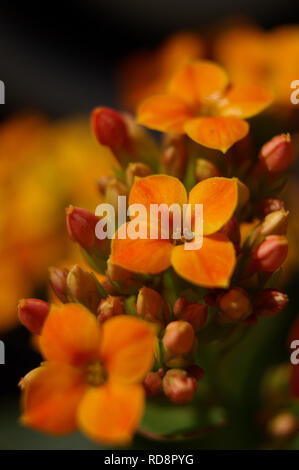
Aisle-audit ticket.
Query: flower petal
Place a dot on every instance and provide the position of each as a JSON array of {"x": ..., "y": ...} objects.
[
  {"x": 219, "y": 197},
  {"x": 51, "y": 398},
  {"x": 70, "y": 334},
  {"x": 146, "y": 256},
  {"x": 158, "y": 189},
  {"x": 199, "y": 81},
  {"x": 245, "y": 101},
  {"x": 164, "y": 113},
  {"x": 211, "y": 266},
  {"x": 110, "y": 414},
  {"x": 217, "y": 132},
  {"x": 127, "y": 348}
]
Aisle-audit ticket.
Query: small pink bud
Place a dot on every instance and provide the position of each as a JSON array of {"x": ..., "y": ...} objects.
[
  {"x": 81, "y": 226},
  {"x": 235, "y": 305},
  {"x": 57, "y": 278},
  {"x": 110, "y": 307},
  {"x": 269, "y": 205},
  {"x": 153, "y": 383},
  {"x": 194, "y": 313},
  {"x": 178, "y": 337},
  {"x": 178, "y": 386},
  {"x": 152, "y": 307},
  {"x": 205, "y": 169},
  {"x": 110, "y": 128},
  {"x": 32, "y": 314},
  {"x": 277, "y": 154},
  {"x": 269, "y": 302},
  {"x": 271, "y": 253}
]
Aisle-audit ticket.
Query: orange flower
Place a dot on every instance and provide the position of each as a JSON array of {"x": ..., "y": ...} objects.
[
  {"x": 209, "y": 266},
  {"x": 201, "y": 104},
  {"x": 92, "y": 378}
]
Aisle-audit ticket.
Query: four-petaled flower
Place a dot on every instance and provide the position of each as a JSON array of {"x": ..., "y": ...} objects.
[
  {"x": 211, "y": 265},
  {"x": 201, "y": 103},
  {"x": 92, "y": 376}
]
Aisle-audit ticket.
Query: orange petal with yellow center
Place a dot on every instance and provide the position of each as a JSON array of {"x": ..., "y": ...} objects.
[
  {"x": 199, "y": 81},
  {"x": 158, "y": 189},
  {"x": 145, "y": 256},
  {"x": 218, "y": 133},
  {"x": 110, "y": 414},
  {"x": 219, "y": 197},
  {"x": 211, "y": 266},
  {"x": 70, "y": 334},
  {"x": 164, "y": 113},
  {"x": 51, "y": 398},
  {"x": 127, "y": 348},
  {"x": 245, "y": 101}
]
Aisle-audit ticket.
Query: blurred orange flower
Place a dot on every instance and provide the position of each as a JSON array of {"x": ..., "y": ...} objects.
[
  {"x": 210, "y": 266},
  {"x": 201, "y": 103},
  {"x": 92, "y": 376}
]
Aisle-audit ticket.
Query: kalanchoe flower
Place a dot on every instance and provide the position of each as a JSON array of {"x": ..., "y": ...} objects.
[
  {"x": 152, "y": 307},
  {"x": 153, "y": 383},
  {"x": 110, "y": 129},
  {"x": 92, "y": 377},
  {"x": 134, "y": 170},
  {"x": 269, "y": 302},
  {"x": 82, "y": 287},
  {"x": 32, "y": 314},
  {"x": 57, "y": 279},
  {"x": 174, "y": 156},
  {"x": 270, "y": 254},
  {"x": 205, "y": 169},
  {"x": 178, "y": 338},
  {"x": 192, "y": 312},
  {"x": 178, "y": 386},
  {"x": 234, "y": 305},
  {"x": 110, "y": 307},
  {"x": 277, "y": 154}
]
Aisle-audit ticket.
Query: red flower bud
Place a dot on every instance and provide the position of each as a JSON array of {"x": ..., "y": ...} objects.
[
  {"x": 194, "y": 313},
  {"x": 232, "y": 230},
  {"x": 178, "y": 337},
  {"x": 110, "y": 128},
  {"x": 81, "y": 226},
  {"x": 268, "y": 205},
  {"x": 205, "y": 169},
  {"x": 269, "y": 302},
  {"x": 57, "y": 278},
  {"x": 277, "y": 154},
  {"x": 235, "y": 305},
  {"x": 110, "y": 307},
  {"x": 271, "y": 253},
  {"x": 153, "y": 383},
  {"x": 32, "y": 314},
  {"x": 196, "y": 372},
  {"x": 178, "y": 386}
]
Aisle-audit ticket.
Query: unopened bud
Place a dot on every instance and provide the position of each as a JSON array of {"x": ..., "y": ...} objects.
[
  {"x": 271, "y": 253},
  {"x": 152, "y": 307},
  {"x": 275, "y": 223},
  {"x": 174, "y": 157},
  {"x": 178, "y": 337},
  {"x": 82, "y": 287},
  {"x": 57, "y": 278},
  {"x": 235, "y": 305},
  {"x": 102, "y": 183},
  {"x": 196, "y": 372},
  {"x": 110, "y": 307},
  {"x": 277, "y": 154},
  {"x": 122, "y": 277},
  {"x": 178, "y": 386},
  {"x": 269, "y": 302},
  {"x": 268, "y": 205},
  {"x": 115, "y": 188},
  {"x": 232, "y": 230},
  {"x": 110, "y": 128},
  {"x": 81, "y": 226},
  {"x": 136, "y": 169},
  {"x": 283, "y": 426},
  {"x": 32, "y": 314},
  {"x": 153, "y": 383},
  {"x": 205, "y": 169},
  {"x": 191, "y": 312}
]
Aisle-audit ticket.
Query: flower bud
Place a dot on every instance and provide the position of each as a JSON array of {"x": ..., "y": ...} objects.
[
  {"x": 232, "y": 230},
  {"x": 57, "y": 278},
  {"x": 271, "y": 253},
  {"x": 269, "y": 302},
  {"x": 122, "y": 277},
  {"x": 81, "y": 226},
  {"x": 82, "y": 287},
  {"x": 110, "y": 307},
  {"x": 32, "y": 314},
  {"x": 102, "y": 183},
  {"x": 136, "y": 169},
  {"x": 178, "y": 386},
  {"x": 153, "y": 383},
  {"x": 178, "y": 337},
  {"x": 283, "y": 426},
  {"x": 152, "y": 307},
  {"x": 115, "y": 188},
  {"x": 275, "y": 223},
  {"x": 268, "y": 205},
  {"x": 277, "y": 154},
  {"x": 174, "y": 157},
  {"x": 110, "y": 128},
  {"x": 235, "y": 305},
  {"x": 193, "y": 313},
  {"x": 196, "y": 372},
  {"x": 205, "y": 169}
]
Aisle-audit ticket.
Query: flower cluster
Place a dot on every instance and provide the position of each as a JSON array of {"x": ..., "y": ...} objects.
[{"x": 136, "y": 321}]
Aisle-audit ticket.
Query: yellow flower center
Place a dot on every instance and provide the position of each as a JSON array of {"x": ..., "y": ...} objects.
[{"x": 95, "y": 374}]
